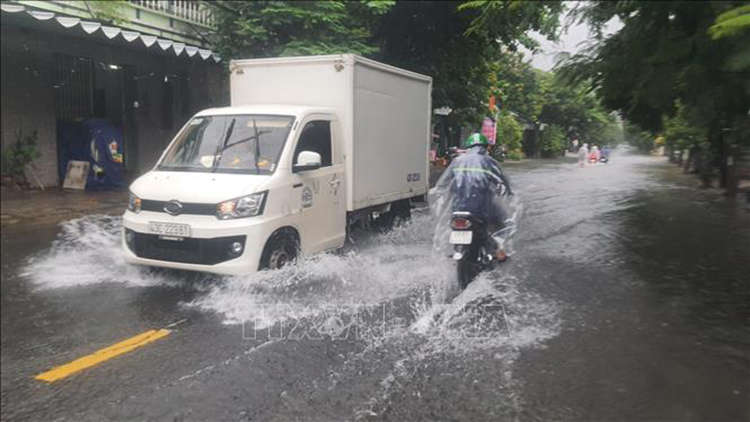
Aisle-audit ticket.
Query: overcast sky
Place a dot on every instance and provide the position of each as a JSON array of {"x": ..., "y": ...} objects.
[{"x": 570, "y": 41}]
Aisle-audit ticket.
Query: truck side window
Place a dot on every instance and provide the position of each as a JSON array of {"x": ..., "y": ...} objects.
[{"x": 316, "y": 137}]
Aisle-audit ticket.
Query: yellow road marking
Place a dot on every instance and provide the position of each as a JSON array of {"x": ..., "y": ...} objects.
[{"x": 102, "y": 355}]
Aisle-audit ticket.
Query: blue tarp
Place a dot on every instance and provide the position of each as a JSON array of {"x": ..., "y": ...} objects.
[{"x": 95, "y": 141}]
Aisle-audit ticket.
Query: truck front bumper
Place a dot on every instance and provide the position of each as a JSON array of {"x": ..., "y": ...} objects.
[{"x": 208, "y": 249}]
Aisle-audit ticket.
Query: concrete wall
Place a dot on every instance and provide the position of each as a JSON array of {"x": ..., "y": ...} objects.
[
  {"x": 27, "y": 100},
  {"x": 28, "y": 95}
]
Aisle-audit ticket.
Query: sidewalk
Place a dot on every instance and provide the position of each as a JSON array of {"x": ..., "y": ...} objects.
[{"x": 54, "y": 205}]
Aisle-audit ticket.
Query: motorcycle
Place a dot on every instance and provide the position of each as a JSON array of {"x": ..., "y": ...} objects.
[
  {"x": 604, "y": 159},
  {"x": 469, "y": 237},
  {"x": 465, "y": 237}
]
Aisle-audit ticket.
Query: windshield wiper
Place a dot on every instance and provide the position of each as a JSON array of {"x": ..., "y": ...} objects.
[
  {"x": 257, "y": 147},
  {"x": 222, "y": 147},
  {"x": 249, "y": 138},
  {"x": 256, "y": 138}
]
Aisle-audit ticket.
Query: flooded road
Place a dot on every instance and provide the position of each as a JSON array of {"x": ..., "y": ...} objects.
[{"x": 627, "y": 298}]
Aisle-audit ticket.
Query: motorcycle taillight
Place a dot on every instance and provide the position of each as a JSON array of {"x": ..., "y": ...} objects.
[{"x": 460, "y": 223}]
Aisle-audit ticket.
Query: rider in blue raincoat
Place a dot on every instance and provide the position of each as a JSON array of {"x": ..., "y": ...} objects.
[{"x": 474, "y": 182}]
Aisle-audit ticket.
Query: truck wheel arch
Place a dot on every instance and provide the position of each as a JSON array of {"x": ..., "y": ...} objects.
[{"x": 288, "y": 236}]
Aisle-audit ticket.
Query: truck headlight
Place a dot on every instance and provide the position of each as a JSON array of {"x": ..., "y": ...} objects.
[
  {"x": 134, "y": 203},
  {"x": 246, "y": 206}
]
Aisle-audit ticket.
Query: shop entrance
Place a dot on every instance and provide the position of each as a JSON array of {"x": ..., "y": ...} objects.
[{"x": 90, "y": 118}]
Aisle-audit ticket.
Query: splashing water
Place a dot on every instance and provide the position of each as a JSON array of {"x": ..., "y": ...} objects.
[
  {"x": 88, "y": 251},
  {"x": 431, "y": 322},
  {"x": 373, "y": 270}
]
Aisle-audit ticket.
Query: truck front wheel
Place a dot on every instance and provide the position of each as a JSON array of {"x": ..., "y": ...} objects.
[{"x": 281, "y": 249}]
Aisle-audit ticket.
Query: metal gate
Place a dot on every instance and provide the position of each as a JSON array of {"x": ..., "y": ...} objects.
[{"x": 74, "y": 87}]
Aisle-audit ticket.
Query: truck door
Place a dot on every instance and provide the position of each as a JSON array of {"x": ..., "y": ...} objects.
[{"x": 319, "y": 194}]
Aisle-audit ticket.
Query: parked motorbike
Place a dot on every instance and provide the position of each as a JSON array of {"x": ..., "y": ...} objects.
[{"x": 469, "y": 239}]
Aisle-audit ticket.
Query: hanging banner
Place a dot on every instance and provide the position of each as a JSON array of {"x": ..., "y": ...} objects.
[{"x": 488, "y": 130}]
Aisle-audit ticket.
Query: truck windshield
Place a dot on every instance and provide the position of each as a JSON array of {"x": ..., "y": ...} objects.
[{"x": 229, "y": 144}]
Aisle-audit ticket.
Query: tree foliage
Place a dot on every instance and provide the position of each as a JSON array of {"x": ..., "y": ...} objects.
[
  {"x": 509, "y": 134},
  {"x": 520, "y": 87},
  {"x": 731, "y": 23},
  {"x": 18, "y": 156},
  {"x": 288, "y": 28},
  {"x": 456, "y": 43},
  {"x": 509, "y": 21},
  {"x": 468, "y": 48},
  {"x": 639, "y": 138},
  {"x": 679, "y": 132},
  {"x": 576, "y": 110},
  {"x": 428, "y": 37},
  {"x": 553, "y": 142},
  {"x": 109, "y": 11},
  {"x": 691, "y": 54},
  {"x": 542, "y": 97}
]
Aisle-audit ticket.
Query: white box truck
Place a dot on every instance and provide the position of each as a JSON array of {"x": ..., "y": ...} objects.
[{"x": 309, "y": 146}]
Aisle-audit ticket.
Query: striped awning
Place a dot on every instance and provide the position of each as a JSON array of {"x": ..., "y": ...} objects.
[{"x": 113, "y": 32}]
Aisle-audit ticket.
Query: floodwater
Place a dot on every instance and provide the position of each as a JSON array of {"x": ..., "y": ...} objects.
[{"x": 627, "y": 298}]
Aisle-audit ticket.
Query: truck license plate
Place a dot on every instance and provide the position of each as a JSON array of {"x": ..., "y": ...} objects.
[
  {"x": 169, "y": 229},
  {"x": 461, "y": 237}
]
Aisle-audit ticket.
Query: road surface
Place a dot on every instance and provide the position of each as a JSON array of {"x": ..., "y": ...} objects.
[{"x": 627, "y": 298}]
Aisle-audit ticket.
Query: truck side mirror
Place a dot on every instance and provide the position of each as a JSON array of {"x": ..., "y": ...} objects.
[{"x": 307, "y": 160}]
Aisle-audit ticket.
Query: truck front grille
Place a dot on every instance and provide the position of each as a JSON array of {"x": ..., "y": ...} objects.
[
  {"x": 189, "y": 250},
  {"x": 187, "y": 207}
]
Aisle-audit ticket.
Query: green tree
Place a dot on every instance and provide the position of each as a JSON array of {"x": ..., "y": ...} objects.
[
  {"x": 639, "y": 138},
  {"x": 731, "y": 23},
  {"x": 520, "y": 86},
  {"x": 679, "y": 131},
  {"x": 18, "y": 157},
  {"x": 668, "y": 52},
  {"x": 428, "y": 37},
  {"x": 509, "y": 134},
  {"x": 553, "y": 141},
  {"x": 287, "y": 28},
  {"x": 109, "y": 11},
  {"x": 456, "y": 43},
  {"x": 576, "y": 110},
  {"x": 509, "y": 21}
]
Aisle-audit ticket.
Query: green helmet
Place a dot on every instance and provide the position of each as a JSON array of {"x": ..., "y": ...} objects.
[{"x": 476, "y": 139}]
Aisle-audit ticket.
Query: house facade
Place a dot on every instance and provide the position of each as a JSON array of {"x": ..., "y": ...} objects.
[{"x": 141, "y": 67}]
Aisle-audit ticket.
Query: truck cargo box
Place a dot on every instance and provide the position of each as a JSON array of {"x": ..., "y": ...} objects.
[{"x": 384, "y": 113}]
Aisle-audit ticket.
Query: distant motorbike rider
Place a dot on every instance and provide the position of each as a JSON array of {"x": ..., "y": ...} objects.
[{"x": 475, "y": 180}]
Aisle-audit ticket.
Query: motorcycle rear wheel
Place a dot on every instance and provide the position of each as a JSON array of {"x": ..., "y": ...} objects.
[{"x": 466, "y": 268}]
